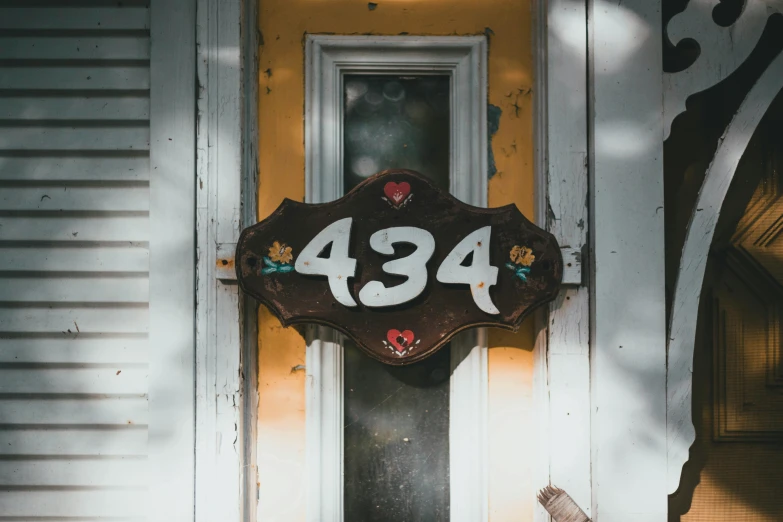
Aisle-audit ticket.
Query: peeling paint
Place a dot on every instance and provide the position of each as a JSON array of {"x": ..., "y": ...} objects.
[
  {"x": 493, "y": 124},
  {"x": 227, "y": 264}
]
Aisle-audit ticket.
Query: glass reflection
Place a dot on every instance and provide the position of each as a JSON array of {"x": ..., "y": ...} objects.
[
  {"x": 396, "y": 122},
  {"x": 396, "y": 431}
]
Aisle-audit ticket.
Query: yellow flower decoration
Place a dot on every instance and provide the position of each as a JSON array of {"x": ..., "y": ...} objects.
[
  {"x": 522, "y": 255},
  {"x": 280, "y": 253}
]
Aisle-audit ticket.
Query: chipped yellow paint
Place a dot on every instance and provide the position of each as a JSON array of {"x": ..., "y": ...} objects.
[{"x": 283, "y": 24}]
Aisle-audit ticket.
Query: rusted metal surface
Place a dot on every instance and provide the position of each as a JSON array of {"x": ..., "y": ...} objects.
[{"x": 528, "y": 261}]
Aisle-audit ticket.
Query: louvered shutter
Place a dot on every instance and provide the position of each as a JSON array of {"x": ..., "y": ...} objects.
[{"x": 95, "y": 163}]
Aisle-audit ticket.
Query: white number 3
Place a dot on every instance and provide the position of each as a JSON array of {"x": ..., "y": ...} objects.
[
  {"x": 480, "y": 275},
  {"x": 374, "y": 293}
]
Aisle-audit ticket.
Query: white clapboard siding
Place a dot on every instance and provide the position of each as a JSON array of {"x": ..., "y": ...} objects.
[
  {"x": 120, "y": 138},
  {"x": 102, "y": 349},
  {"x": 107, "y": 227},
  {"x": 75, "y": 108},
  {"x": 131, "y": 289},
  {"x": 68, "y": 442},
  {"x": 76, "y": 415},
  {"x": 118, "y": 257},
  {"x": 77, "y": 319},
  {"x": 71, "y": 504},
  {"x": 92, "y": 197},
  {"x": 90, "y": 167},
  {"x": 83, "y": 472},
  {"x": 78, "y": 77},
  {"x": 74, "y": 261},
  {"x": 75, "y": 18},
  {"x": 116, "y": 380},
  {"x": 74, "y": 48}
]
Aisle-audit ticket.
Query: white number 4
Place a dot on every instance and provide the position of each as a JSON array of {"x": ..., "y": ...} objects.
[
  {"x": 338, "y": 267},
  {"x": 480, "y": 275}
]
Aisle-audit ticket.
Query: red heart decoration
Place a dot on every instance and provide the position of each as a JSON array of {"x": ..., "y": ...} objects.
[
  {"x": 397, "y": 192},
  {"x": 400, "y": 340}
]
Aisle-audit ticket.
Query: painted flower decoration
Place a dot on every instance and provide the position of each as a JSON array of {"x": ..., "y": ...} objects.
[
  {"x": 279, "y": 259},
  {"x": 522, "y": 255},
  {"x": 521, "y": 259},
  {"x": 280, "y": 253}
]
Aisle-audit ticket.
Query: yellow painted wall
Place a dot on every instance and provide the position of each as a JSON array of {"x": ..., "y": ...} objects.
[{"x": 281, "y": 419}]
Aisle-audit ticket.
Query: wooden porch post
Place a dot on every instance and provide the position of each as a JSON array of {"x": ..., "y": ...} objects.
[{"x": 628, "y": 339}]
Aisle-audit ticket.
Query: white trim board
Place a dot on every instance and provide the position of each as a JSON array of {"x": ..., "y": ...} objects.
[
  {"x": 465, "y": 60},
  {"x": 172, "y": 255},
  {"x": 628, "y": 305},
  {"x": 219, "y": 399},
  {"x": 563, "y": 371}
]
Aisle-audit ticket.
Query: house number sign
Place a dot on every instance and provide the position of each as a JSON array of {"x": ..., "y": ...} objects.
[{"x": 399, "y": 266}]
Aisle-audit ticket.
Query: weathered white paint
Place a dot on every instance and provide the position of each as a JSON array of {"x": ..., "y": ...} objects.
[
  {"x": 414, "y": 266},
  {"x": 219, "y": 400},
  {"x": 72, "y": 18},
  {"x": 480, "y": 275},
  {"x": 89, "y": 198},
  {"x": 562, "y": 373},
  {"x": 120, "y": 138},
  {"x": 690, "y": 276},
  {"x": 722, "y": 49},
  {"x": 73, "y": 168},
  {"x": 628, "y": 337},
  {"x": 172, "y": 253},
  {"x": 128, "y": 108},
  {"x": 105, "y": 229},
  {"x": 109, "y": 76},
  {"x": 572, "y": 262},
  {"x": 224, "y": 262},
  {"x": 38, "y": 47},
  {"x": 464, "y": 58}
]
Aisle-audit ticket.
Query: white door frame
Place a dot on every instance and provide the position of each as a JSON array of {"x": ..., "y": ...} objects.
[
  {"x": 562, "y": 365},
  {"x": 464, "y": 59},
  {"x": 225, "y": 181}
]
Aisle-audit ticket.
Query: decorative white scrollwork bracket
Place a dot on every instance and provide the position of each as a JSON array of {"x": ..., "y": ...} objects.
[{"x": 723, "y": 50}]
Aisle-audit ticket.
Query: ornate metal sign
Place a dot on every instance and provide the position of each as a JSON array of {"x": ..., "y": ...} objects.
[{"x": 399, "y": 266}]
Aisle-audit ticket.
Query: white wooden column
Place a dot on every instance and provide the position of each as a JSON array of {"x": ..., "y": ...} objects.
[
  {"x": 568, "y": 364},
  {"x": 628, "y": 344}
]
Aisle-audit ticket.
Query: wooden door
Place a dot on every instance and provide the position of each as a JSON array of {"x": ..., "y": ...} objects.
[{"x": 735, "y": 470}]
